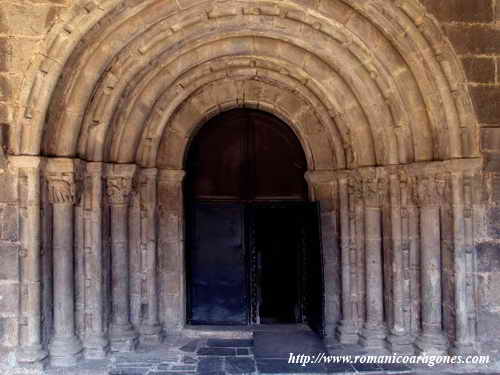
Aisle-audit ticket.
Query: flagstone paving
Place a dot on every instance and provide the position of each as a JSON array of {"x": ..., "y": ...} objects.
[{"x": 267, "y": 353}]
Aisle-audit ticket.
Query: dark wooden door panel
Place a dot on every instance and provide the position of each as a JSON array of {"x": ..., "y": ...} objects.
[
  {"x": 246, "y": 155},
  {"x": 217, "y": 265}
]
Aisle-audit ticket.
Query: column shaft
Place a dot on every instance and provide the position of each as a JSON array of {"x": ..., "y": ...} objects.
[
  {"x": 431, "y": 275},
  {"x": 374, "y": 330},
  {"x": 463, "y": 342},
  {"x": 170, "y": 199},
  {"x": 399, "y": 340},
  {"x": 150, "y": 328},
  {"x": 119, "y": 187},
  {"x": 95, "y": 342},
  {"x": 64, "y": 283},
  {"x": 347, "y": 330},
  {"x": 120, "y": 268},
  {"x": 432, "y": 339}
]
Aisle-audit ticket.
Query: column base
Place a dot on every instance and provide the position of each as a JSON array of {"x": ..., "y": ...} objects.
[
  {"x": 347, "y": 333},
  {"x": 463, "y": 349},
  {"x": 372, "y": 338},
  {"x": 432, "y": 343},
  {"x": 65, "y": 351},
  {"x": 32, "y": 357},
  {"x": 123, "y": 338},
  {"x": 150, "y": 334},
  {"x": 400, "y": 342},
  {"x": 95, "y": 347}
]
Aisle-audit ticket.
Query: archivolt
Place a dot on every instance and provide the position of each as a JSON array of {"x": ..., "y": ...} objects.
[{"x": 377, "y": 78}]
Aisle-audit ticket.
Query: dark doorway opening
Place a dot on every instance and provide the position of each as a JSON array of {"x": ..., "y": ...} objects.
[{"x": 252, "y": 238}]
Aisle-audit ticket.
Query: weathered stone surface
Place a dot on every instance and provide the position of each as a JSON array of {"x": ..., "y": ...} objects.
[
  {"x": 9, "y": 332},
  {"x": 9, "y": 267},
  {"x": 240, "y": 365},
  {"x": 461, "y": 10},
  {"x": 5, "y": 113},
  {"x": 210, "y": 364},
  {"x": 9, "y": 299},
  {"x": 489, "y": 257},
  {"x": 494, "y": 217},
  {"x": 487, "y": 103},
  {"x": 5, "y": 89},
  {"x": 480, "y": 70},
  {"x": 216, "y": 351},
  {"x": 14, "y": 18},
  {"x": 474, "y": 39},
  {"x": 221, "y": 343},
  {"x": 5, "y": 52},
  {"x": 490, "y": 139}
]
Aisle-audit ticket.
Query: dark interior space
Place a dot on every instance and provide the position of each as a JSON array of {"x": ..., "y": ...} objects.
[
  {"x": 279, "y": 262},
  {"x": 249, "y": 225}
]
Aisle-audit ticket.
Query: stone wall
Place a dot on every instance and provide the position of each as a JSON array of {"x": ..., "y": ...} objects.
[
  {"x": 9, "y": 268},
  {"x": 474, "y": 29}
]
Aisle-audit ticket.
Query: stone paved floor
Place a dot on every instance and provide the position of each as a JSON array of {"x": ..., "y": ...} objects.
[
  {"x": 241, "y": 356},
  {"x": 264, "y": 354}
]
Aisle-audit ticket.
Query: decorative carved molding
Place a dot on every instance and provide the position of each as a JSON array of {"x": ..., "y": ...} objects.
[{"x": 119, "y": 190}]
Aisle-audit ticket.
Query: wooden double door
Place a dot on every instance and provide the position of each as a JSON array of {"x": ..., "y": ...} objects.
[{"x": 254, "y": 263}]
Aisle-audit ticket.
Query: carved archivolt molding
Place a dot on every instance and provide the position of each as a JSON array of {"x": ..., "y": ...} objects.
[{"x": 371, "y": 113}]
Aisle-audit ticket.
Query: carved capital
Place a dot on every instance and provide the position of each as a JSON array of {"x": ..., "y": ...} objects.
[
  {"x": 62, "y": 189},
  {"x": 119, "y": 189},
  {"x": 430, "y": 191},
  {"x": 64, "y": 180},
  {"x": 375, "y": 191},
  {"x": 355, "y": 187},
  {"x": 148, "y": 176}
]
